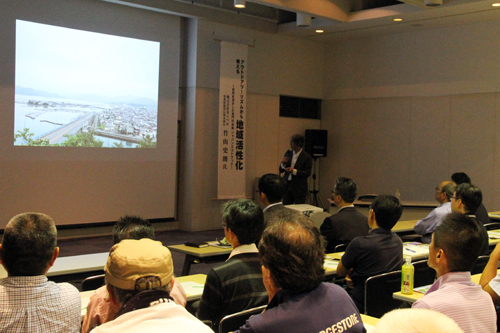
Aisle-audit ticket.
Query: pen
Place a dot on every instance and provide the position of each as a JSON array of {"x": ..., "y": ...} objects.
[{"x": 407, "y": 249}]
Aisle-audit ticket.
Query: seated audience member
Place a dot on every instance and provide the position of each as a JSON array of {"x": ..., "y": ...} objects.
[
  {"x": 139, "y": 278},
  {"x": 272, "y": 187},
  {"x": 237, "y": 284},
  {"x": 100, "y": 309},
  {"x": 381, "y": 251},
  {"x": 490, "y": 279},
  {"x": 28, "y": 301},
  {"x": 292, "y": 254},
  {"x": 348, "y": 223},
  {"x": 427, "y": 225},
  {"x": 465, "y": 200},
  {"x": 481, "y": 212},
  {"x": 416, "y": 321},
  {"x": 455, "y": 246}
]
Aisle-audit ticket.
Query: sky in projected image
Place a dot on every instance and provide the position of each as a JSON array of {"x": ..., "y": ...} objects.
[{"x": 90, "y": 87}]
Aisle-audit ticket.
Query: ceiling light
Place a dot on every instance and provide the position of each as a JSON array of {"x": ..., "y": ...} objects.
[
  {"x": 319, "y": 31},
  {"x": 303, "y": 20},
  {"x": 496, "y": 4},
  {"x": 239, "y": 3},
  {"x": 398, "y": 19}
]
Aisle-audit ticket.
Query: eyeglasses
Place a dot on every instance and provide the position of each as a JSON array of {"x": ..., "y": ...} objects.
[
  {"x": 454, "y": 198},
  {"x": 223, "y": 224},
  {"x": 438, "y": 189}
]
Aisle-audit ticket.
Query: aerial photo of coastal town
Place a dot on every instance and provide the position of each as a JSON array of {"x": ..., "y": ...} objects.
[
  {"x": 76, "y": 88},
  {"x": 45, "y": 121}
]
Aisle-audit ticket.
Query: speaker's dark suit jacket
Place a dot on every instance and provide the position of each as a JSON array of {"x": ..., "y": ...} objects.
[
  {"x": 343, "y": 227},
  {"x": 297, "y": 188}
]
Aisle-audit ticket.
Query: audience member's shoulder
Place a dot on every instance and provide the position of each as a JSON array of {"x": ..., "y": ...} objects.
[{"x": 68, "y": 289}]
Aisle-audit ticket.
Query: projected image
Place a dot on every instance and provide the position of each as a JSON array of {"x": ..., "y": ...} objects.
[{"x": 82, "y": 89}]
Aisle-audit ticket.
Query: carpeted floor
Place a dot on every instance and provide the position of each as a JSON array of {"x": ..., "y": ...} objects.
[{"x": 72, "y": 247}]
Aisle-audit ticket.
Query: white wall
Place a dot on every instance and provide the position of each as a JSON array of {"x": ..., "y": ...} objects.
[
  {"x": 276, "y": 65},
  {"x": 406, "y": 111}
]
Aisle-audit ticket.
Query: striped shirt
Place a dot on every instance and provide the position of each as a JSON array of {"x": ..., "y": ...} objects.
[
  {"x": 34, "y": 304},
  {"x": 232, "y": 287},
  {"x": 455, "y": 295}
]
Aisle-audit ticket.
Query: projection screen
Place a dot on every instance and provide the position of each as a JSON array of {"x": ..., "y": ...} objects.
[{"x": 89, "y": 104}]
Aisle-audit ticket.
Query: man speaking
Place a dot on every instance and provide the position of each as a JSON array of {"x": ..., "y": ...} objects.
[{"x": 297, "y": 166}]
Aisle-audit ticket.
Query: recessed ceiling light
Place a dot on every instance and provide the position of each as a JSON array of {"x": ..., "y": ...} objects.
[
  {"x": 239, "y": 3},
  {"x": 319, "y": 31},
  {"x": 398, "y": 19}
]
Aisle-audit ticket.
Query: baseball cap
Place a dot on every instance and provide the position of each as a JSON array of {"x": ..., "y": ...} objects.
[{"x": 132, "y": 259}]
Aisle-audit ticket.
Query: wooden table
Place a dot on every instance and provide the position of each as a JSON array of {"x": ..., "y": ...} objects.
[
  {"x": 404, "y": 227},
  {"x": 193, "y": 293},
  {"x": 368, "y": 320},
  {"x": 207, "y": 254}
]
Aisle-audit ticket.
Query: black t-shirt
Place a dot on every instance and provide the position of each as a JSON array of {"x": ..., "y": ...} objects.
[{"x": 381, "y": 251}]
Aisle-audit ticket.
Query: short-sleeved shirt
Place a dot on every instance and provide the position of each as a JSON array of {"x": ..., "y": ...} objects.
[
  {"x": 455, "y": 295},
  {"x": 381, "y": 251},
  {"x": 34, "y": 304},
  {"x": 327, "y": 308}
]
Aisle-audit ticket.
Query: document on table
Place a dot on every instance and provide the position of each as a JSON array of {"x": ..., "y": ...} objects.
[
  {"x": 331, "y": 263},
  {"x": 415, "y": 248},
  {"x": 192, "y": 288},
  {"x": 494, "y": 234},
  {"x": 422, "y": 290},
  {"x": 217, "y": 244}
]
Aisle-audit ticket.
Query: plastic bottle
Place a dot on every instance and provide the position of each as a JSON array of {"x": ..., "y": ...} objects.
[{"x": 407, "y": 274}]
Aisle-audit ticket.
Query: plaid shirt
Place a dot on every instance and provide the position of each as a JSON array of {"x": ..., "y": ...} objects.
[{"x": 34, "y": 304}]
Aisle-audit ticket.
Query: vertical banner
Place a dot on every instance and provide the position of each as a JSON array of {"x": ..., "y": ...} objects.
[{"x": 232, "y": 109}]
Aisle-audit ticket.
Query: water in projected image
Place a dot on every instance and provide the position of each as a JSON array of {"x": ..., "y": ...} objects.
[{"x": 82, "y": 89}]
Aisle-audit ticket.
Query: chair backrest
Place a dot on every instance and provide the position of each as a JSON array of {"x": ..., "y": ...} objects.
[
  {"x": 93, "y": 282},
  {"x": 492, "y": 226},
  {"x": 378, "y": 293},
  {"x": 480, "y": 264},
  {"x": 424, "y": 275},
  {"x": 319, "y": 217},
  {"x": 340, "y": 248},
  {"x": 234, "y": 321}
]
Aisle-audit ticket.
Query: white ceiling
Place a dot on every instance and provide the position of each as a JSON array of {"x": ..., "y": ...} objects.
[{"x": 340, "y": 19}]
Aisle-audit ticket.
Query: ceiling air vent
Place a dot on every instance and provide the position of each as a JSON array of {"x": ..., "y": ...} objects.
[{"x": 298, "y": 107}]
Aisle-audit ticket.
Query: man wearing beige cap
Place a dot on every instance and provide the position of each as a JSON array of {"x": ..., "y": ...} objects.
[{"x": 139, "y": 278}]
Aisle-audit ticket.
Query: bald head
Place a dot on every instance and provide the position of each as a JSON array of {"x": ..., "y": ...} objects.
[
  {"x": 444, "y": 191},
  {"x": 28, "y": 246}
]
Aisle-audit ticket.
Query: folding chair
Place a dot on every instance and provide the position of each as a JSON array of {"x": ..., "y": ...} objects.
[
  {"x": 480, "y": 264},
  {"x": 93, "y": 282},
  {"x": 424, "y": 275},
  {"x": 234, "y": 321},
  {"x": 378, "y": 293}
]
